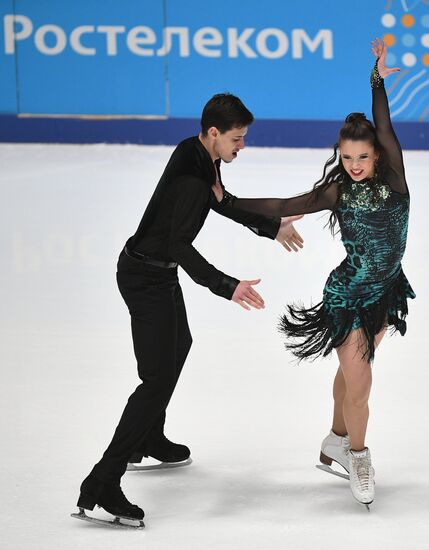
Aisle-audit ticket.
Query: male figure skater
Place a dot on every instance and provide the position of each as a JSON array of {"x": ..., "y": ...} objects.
[{"x": 190, "y": 186}]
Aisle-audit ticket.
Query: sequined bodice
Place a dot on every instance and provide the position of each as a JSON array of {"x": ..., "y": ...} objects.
[{"x": 374, "y": 223}]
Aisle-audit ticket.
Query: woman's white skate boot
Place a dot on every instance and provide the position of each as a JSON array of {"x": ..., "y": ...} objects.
[
  {"x": 335, "y": 448},
  {"x": 362, "y": 476}
]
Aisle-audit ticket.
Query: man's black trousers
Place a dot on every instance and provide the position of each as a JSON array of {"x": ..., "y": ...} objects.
[{"x": 162, "y": 341}]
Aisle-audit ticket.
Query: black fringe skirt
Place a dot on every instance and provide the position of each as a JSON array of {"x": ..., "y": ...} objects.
[{"x": 316, "y": 331}]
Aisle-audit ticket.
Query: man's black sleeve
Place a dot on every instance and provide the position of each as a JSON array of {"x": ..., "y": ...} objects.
[{"x": 192, "y": 196}]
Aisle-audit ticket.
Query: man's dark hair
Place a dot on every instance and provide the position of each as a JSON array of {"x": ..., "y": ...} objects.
[{"x": 224, "y": 112}]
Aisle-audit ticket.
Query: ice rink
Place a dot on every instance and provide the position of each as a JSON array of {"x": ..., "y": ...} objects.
[{"x": 252, "y": 417}]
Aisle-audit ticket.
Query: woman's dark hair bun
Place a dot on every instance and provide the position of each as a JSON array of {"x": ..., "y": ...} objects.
[{"x": 354, "y": 118}]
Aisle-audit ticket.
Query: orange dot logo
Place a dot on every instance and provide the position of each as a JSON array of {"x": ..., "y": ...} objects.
[
  {"x": 389, "y": 39},
  {"x": 408, "y": 20},
  {"x": 425, "y": 59}
]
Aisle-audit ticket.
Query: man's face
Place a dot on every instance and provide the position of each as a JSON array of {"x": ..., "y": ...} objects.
[{"x": 227, "y": 145}]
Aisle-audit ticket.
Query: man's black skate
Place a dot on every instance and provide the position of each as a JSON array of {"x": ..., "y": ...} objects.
[
  {"x": 171, "y": 455},
  {"x": 110, "y": 498}
]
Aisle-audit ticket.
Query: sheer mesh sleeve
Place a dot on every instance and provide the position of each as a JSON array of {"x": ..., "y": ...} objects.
[
  {"x": 263, "y": 226},
  {"x": 386, "y": 134},
  {"x": 314, "y": 201}
]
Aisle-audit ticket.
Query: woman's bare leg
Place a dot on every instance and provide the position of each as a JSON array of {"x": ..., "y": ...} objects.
[
  {"x": 357, "y": 378},
  {"x": 339, "y": 391}
]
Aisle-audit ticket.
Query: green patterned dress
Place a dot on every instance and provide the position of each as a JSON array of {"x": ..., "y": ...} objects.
[{"x": 368, "y": 290}]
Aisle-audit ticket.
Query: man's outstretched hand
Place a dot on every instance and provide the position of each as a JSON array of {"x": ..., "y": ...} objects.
[
  {"x": 288, "y": 236},
  {"x": 245, "y": 296}
]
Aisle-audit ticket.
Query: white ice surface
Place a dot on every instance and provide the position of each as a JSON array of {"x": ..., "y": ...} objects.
[{"x": 253, "y": 419}]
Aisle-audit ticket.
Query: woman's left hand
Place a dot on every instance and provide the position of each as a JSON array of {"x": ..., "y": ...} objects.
[{"x": 379, "y": 49}]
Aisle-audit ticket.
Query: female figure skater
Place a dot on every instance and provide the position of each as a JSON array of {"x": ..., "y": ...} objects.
[{"x": 367, "y": 195}]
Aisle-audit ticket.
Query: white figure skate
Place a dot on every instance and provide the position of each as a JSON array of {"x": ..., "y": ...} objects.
[
  {"x": 335, "y": 448},
  {"x": 362, "y": 476}
]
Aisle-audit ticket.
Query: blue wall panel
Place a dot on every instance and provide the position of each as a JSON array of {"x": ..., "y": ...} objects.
[
  {"x": 322, "y": 72},
  {"x": 107, "y": 78},
  {"x": 8, "y": 89},
  {"x": 300, "y": 84},
  {"x": 293, "y": 61}
]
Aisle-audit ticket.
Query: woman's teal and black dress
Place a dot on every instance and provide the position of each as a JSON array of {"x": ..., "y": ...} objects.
[{"x": 368, "y": 289}]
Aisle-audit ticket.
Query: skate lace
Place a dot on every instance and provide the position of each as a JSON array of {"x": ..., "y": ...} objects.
[{"x": 363, "y": 473}]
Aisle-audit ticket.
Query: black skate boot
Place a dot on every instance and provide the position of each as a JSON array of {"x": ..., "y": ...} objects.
[
  {"x": 168, "y": 453},
  {"x": 165, "y": 450},
  {"x": 110, "y": 498}
]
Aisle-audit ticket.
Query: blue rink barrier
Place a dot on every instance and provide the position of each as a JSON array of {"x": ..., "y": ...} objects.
[
  {"x": 263, "y": 133},
  {"x": 140, "y": 71}
]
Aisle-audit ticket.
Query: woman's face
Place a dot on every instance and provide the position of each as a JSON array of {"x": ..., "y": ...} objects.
[{"x": 358, "y": 158}]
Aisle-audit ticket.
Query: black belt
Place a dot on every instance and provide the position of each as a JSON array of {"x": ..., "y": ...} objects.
[{"x": 147, "y": 259}]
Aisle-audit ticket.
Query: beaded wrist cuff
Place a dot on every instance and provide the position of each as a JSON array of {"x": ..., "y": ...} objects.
[{"x": 375, "y": 78}]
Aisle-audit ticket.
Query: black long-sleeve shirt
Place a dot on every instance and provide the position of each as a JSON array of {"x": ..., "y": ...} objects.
[{"x": 178, "y": 209}]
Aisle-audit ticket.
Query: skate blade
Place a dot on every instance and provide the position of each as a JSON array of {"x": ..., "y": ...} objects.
[
  {"x": 161, "y": 466},
  {"x": 114, "y": 523},
  {"x": 366, "y": 504},
  {"x": 330, "y": 470}
]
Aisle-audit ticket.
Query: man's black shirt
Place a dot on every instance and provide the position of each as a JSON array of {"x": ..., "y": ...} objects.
[{"x": 178, "y": 209}]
